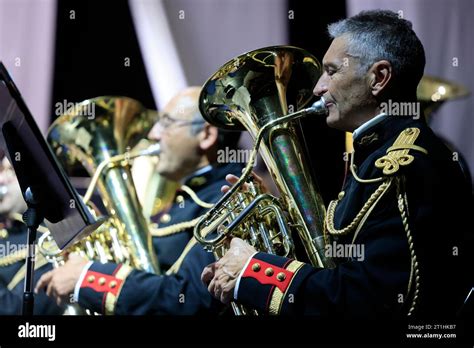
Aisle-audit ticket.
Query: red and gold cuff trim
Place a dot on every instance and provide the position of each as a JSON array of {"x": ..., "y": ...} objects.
[
  {"x": 278, "y": 295},
  {"x": 111, "y": 298},
  {"x": 100, "y": 282},
  {"x": 268, "y": 274},
  {"x": 110, "y": 285}
]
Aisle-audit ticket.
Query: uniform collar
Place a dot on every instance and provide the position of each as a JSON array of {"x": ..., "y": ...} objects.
[
  {"x": 369, "y": 124},
  {"x": 211, "y": 173},
  {"x": 199, "y": 172},
  {"x": 377, "y": 133}
]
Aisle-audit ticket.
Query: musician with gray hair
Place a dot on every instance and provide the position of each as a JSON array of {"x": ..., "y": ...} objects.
[
  {"x": 188, "y": 155},
  {"x": 405, "y": 199}
]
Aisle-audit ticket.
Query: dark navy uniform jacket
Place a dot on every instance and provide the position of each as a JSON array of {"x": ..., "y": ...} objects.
[
  {"x": 375, "y": 285},
  {"x": 117, "y": 289},
  {"x": 11, "y": 301}
]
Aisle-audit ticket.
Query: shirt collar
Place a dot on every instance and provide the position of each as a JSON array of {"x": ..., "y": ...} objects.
[
  {"x": 369, "y": 124},
  {"x": 198, "y": 172}
]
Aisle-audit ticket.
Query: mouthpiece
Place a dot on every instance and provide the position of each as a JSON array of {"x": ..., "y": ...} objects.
[
  {"x": 319, "y": 107},
  {"x": 152, "y": 150}
]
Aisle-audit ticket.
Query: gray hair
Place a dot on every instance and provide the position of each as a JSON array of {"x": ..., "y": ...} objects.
[{"x": 383, "y": 35}]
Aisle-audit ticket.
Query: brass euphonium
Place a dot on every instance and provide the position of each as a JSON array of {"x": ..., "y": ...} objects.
[
  {"x": 99, "y": 133},
  {"x": 259, "y": 92}
]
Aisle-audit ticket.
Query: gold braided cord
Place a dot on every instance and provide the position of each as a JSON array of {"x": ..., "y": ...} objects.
[
  {"x": 192, "y": 242},
  {"x": 414, "y": 270},
  {"x": 173, "y": 229},
  {"x": 355, "y": 222},
  {"x": 195, "y": 197},
  {"x": 12, "y": 258},
  {"x": 18, "y": 255},
  {"x": 397, "y": 155},
  {"x": 182, "y": 226},
  {"x": 369, "y": 211},
  {"x": 360, "y": 180},
  {"x": 177, "y": 264},
  {"x": 18, "y": 277}
]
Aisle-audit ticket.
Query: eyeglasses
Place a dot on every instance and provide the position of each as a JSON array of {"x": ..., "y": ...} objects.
[{"x": 166, "y": 121}]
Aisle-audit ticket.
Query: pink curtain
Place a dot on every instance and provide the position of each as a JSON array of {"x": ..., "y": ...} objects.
[
  {"x": 187, "y": 40},
  {"x": 27, "y": 33}
]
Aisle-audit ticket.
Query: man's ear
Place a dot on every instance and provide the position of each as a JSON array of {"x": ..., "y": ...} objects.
[
  {"x": 381, "y": 73},
  {"x": 208, "y": 137}
]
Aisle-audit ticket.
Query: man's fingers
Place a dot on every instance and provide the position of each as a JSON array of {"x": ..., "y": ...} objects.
[
  {"x": 236, "y": 242},
  {"x": 258, "y": 179},
  {"x": 43, "y": 281},
  {"x": 225, "y": 298},
  {"x": 214, "y": 283},
  {"x": 231, "y": 178},
  {"x": 74, "y": 257},
  {"x": 51, "y": 290},
  {"x": 207, "y": 273},
  {"x": 211, "y": 287}
]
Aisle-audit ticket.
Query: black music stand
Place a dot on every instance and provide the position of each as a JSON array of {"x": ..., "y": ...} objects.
[{"x": 46, "y": 189}]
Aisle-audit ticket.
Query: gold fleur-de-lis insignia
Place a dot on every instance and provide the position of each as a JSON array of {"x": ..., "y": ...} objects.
[{"x": 397, "y": 154}]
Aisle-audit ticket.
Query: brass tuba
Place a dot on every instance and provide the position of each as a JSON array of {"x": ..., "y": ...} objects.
[
  {"x": 264, "y": 92},
  {"x": 96, "y": 133}
]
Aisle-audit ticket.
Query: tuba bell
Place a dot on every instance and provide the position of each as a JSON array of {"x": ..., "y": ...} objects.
[
  {"x": 265, "y": 92},
  {"x": 95, "y": 133}
]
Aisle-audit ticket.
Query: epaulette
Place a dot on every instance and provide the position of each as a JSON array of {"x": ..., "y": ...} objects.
[{"x": 398, "y": 154}]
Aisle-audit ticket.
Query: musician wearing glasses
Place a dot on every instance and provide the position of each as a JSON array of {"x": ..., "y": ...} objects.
[
  {"x": 405, "y": 201},
  {"x": 188, "y": 155}
]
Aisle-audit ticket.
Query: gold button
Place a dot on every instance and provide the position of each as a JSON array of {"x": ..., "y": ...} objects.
[
  {"x": 91, "y": 279},
  {"x": 101, "y": 281},
  {"x": 256, "y": 267},
  {"x": 113, "y": 284},
  {"x": 341, "y": 195},
  {"x": 281, "y": 276},
  {"x": 165, "y": 218},
  {"x": 269, "y": 272},
  {"x": 179, "y": 199}
]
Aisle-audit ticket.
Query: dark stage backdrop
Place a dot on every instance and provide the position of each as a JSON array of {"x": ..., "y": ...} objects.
[
  {"x": 308, "y": 30},
  {"x": 97, "y": 53}
]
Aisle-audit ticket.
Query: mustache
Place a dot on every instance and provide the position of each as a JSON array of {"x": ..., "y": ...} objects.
[{"x": 328, "y": 99}]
